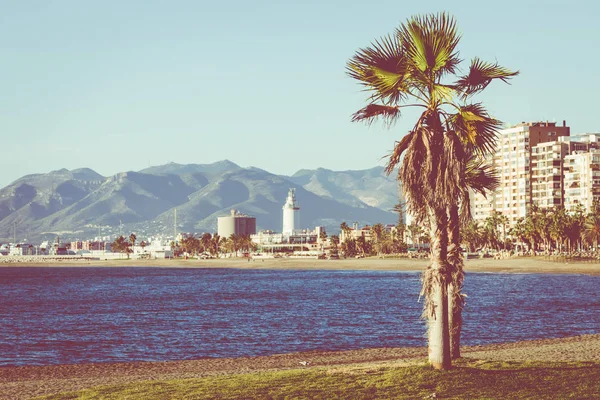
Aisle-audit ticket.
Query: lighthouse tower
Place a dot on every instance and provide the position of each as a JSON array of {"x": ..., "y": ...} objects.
[{"x": 290, "y": 213}]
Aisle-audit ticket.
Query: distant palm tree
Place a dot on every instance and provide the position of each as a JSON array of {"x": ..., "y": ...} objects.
[
  {"x": 406, "y": 70},
  {"x": 215, "y": 244},
  {"x": 132, "y": 239},
  {"x": 377, "y": 231},
  {"x": 121, "y": 245},
  {"x": 205, "y": 242},
  {"x": 235, "y": 240},
  {"x": 345, "y": 230},
  {"x": 335, "y": 240},
  {"x": 592, "y": 229}
]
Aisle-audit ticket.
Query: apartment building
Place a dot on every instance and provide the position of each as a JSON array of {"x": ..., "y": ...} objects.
[
  {"x": 582, "y": 179},
  {"x": 513, "y": 161},
  {"x": 547, "y": 172}
]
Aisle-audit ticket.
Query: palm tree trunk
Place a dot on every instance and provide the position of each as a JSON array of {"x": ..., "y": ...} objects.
[
  {"x": 435, "y": 290},
  {"x": 457, "y": 275}
]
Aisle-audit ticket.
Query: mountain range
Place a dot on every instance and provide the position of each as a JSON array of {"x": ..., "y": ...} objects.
[{"x": 81, "y": 203}]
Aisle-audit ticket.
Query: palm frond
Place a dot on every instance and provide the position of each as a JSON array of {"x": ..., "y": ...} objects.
[
  {"x": 382, "y": 68},
  {"x": 476, "y": 129},
  {"x": 480, "y": 176},
  {"x": 373, "y": 111},
  {"x": 430, "y": 41},
  {"x": 441, "y": 93},
  {"x": 481, "y": 74},
  {"x": 399, "y": 148}
]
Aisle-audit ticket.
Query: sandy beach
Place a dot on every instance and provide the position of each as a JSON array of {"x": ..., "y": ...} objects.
[
  {"x": 28, "y": 382},
  {"x": 508, "y": 265}
]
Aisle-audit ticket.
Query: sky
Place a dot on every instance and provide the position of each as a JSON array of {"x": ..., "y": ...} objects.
[{"x": 123, "y": 85}]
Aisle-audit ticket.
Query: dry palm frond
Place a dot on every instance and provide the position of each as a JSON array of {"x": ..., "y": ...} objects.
[{"x": 372, "y": 111}]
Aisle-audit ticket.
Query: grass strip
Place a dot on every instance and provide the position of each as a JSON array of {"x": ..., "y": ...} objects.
[{"x": 469, "y": 379}]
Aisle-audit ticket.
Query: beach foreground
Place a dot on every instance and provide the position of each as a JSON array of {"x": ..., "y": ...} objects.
[
  {"x": 28, "y": 382},
  {"x": 508, "y": 265}
]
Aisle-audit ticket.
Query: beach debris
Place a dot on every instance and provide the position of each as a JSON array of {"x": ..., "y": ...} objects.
[
  {"x": 305, "y": 363},
  {"x": 432, "y": 396}
]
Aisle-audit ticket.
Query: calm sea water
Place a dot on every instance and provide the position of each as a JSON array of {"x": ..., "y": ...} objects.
[{"x": 79, "y": 315}]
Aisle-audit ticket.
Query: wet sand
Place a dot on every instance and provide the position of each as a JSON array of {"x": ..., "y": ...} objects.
[
  {"x": 509, "y": 265},
  {"x": 28, "y": 382}
]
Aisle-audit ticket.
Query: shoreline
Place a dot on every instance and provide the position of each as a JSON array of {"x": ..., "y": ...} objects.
[
  {"x": 25, "y": 382},
  {"x": 508, "y": 265}
]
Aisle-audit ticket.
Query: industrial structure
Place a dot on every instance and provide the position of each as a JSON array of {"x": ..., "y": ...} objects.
[{"x": 236, "y": 223}]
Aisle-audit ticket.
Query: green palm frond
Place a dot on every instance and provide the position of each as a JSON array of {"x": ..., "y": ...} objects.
[
  {"x": 430, "y": 41},
  {"x": 373, "y": 111},
  {"x": 382, "y": 69},
  {"x": 476, "y": 129},
  {"x": 481, "y": 74},
  {"x": 441, "y": 93}
]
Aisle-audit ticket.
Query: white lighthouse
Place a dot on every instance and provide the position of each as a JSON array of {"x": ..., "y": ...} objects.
[{"x": 290, "y": 213}]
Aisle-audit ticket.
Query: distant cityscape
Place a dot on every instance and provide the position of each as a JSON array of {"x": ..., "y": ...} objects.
[{"x": 539, "y": 164}]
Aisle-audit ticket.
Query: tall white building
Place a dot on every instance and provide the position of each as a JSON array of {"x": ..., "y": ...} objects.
[
  {"x": 290, "y": 213},
  {"x": 582, "y": 179}
]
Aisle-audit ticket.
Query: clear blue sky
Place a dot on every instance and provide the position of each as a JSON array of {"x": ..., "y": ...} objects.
[{"x": 123, "y": 85}]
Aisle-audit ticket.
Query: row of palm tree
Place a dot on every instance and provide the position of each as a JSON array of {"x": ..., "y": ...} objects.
[
  {"x": 215, "y": 244},
  {"x": 542, "y": 229},
  {"x": 439, "y": 154},
  {"x": 381, "y": 241},
  {"x": 123, "y": 245}
]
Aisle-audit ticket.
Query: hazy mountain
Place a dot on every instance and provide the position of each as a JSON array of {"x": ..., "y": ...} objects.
[
  {"x": 207, "y": 170},
  {"x": 370, "y": 187},
  {"x": 262, "y": 194},
  {"x": 35, "y": 197},
  {"x": 79, "y": 202}
]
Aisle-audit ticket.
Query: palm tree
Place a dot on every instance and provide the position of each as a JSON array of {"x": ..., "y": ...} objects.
[
  {"x": 377, "y": 230},
  {"x": 575, "y": 226},
  {"x": 406, "y": 70},
  {"x": 132, "y": 239},
  {"x": 345, "y": 230},
  {"x": 335, "y": 240},
  {"x": 471, "y": 234},
  {"x": 235, "y": 240},
  {"x": 214, "y": 245},
  {"x": 120, "y": 245},
  {"x": 519, "y": 232},
  {"x": 205, "y": 242},
  {"x": 415, "y": 231},
  {"x": 592, "y": 229}
]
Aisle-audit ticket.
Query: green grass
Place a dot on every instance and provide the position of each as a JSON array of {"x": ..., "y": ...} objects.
[{"x": 469, "y": 379}]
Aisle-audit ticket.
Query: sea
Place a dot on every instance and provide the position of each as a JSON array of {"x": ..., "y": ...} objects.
[{"x": 67, "y": 315}]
